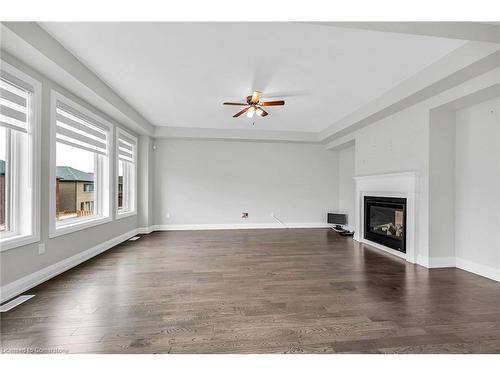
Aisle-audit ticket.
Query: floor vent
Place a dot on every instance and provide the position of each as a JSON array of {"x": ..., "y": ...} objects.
[
  {"x": 134, "y": 238},
  {"x": 15, "y": 302}
]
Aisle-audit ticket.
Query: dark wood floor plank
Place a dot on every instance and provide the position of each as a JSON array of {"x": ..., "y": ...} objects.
[{"x": 256, "y": 291}]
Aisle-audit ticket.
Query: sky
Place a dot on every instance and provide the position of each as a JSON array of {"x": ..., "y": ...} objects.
[{"x": 74, "y": 157}]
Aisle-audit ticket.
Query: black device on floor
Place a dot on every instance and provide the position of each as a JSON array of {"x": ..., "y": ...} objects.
[{"x": 339, "y": 220}]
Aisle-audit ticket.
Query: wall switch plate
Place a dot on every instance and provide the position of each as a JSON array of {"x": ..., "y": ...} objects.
[
  {"x": 244, "y": 215},
  {"x": 41, "y": 248}
]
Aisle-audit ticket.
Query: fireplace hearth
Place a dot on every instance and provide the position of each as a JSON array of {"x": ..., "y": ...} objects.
[{"x": 385, "y": 221}]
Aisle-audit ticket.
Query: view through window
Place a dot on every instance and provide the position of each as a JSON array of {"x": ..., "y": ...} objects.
[
  {"x": 125, "y": 173},
  {"x": 120, "y": 184},
  {"x": 75, "y": 171},
  {"x": 3, "y": 158},
  {"x": 126, "y": 149}
]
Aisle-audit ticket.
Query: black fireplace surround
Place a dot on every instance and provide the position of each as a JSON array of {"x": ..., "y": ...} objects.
[{"x": 385, "y": 221}]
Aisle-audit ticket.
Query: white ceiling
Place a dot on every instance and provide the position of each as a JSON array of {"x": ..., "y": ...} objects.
[{"x": 178, "y": 74}]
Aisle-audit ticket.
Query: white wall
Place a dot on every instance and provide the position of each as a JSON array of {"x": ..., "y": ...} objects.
[
  {"x": 145, "y": 183},
  {"x": 477, "y": 180},
  {"x": 212, "y": 182},
  {"x": 346, "y": 183},
  {"x": 442, "y": 188}
]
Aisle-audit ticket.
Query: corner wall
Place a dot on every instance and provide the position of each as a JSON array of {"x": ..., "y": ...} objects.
[
  {"x": 346, "y": 183},
  {"x": 477, "y": 192},
  {"x": 464, "y": 185},
  {"x": 442, "y": 188},
  {"x": 145, "y": 184}
]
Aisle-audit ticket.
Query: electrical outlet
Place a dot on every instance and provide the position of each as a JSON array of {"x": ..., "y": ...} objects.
[
  {"x": 41, "y": 248},
  {"x": 167, "y": 215},
  {"x": 271, "y": 214},
  {"x": 244, "y": 215}
]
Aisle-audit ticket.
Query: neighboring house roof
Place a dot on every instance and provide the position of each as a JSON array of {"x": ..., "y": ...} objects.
[
  {"x": 71, "y": 174},
  {"x": 63, "y": 173}
]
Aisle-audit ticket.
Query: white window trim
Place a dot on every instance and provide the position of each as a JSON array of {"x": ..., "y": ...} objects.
[
  {"x": 14, "y": 241},
  {"x": 73, "y": 226},
  {"x": 123, "y": 214}
]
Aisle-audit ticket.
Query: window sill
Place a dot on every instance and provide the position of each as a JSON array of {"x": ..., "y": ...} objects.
[
  {"x": 123, "y": 215},
  {"x": 63, "y": 229},
  {"x": 14, "y": 241}
]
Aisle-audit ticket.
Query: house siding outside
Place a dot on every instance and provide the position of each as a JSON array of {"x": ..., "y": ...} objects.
[{"x": 72, "y": 197}]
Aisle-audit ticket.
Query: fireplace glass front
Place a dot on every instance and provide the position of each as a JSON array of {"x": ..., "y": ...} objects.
[{"x": 385, "y": 221}]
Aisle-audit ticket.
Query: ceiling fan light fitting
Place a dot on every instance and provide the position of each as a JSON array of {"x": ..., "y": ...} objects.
[
  {"x": 255, "y": 106},
  {"x": 250, "y": 112}
]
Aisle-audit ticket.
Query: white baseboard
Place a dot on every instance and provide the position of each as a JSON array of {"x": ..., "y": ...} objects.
[
  {"x": 25, "y": 283},
  {"x": 145, "y": 230},
  {"x": 463, "y": 264},
  {"x": 378, "y": 246},
  {"x": 479, "y": 269},
  {"x": 423, "y": 261},
  {"x": 442, "y": 262},
  {"x": 238, "y": 226}
]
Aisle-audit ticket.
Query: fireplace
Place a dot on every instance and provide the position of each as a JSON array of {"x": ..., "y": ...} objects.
[{"x": 385, "y": 221}]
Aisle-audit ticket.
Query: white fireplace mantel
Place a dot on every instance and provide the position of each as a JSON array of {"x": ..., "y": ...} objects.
[{"x": 397, "y": 185}]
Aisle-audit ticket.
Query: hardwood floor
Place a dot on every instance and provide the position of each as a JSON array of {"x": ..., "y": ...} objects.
[{"x": 255, "y": 291}]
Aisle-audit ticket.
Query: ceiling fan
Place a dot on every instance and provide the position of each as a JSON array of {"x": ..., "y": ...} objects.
[{"x": 254, "y": 105}]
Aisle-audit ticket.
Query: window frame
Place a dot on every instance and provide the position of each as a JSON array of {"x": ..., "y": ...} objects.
[
  {"x": 120, "y": 214},
  {"x": 91, "y": 190},
  {"x": 31, "y": 232},
  {"x": 102, "y": 174}
]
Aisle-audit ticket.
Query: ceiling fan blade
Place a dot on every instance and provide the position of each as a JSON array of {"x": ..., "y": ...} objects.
[
  {"x": 230, "y": 103},
  {"x": 264, "y": 112},
  {"x": 287, "y": 94},
  {"x": 275, "y": 102},
  {"x": 241, "y": 112},
  {"x": 255, "y": 97}
]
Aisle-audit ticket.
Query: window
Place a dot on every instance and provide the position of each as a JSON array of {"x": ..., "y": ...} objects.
[
  {"x": 80, "y": 167},
  {"x": 4, "y": 211},
  {"x": 126, "y": 149},
  {"x": 19, "y": 159}
]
